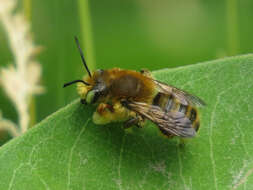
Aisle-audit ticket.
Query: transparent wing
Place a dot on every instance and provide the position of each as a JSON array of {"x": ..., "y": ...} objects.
[
  {"x": 170, "y": 123},
  {"x": 184, "y": 97}
]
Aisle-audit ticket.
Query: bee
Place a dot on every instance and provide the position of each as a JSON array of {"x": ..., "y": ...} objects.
[{"x": 133, "y": 97}]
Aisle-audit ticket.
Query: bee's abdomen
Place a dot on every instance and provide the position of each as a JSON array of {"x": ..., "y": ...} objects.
[{"x": 170, "y": 104}]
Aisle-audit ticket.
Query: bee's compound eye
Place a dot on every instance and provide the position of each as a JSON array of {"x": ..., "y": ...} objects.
[{"x": 90, "y": 96}]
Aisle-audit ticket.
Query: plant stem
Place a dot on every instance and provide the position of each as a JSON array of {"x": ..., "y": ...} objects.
[
  {"x": 32, "y": 112},
  {"x": 86, "y": 31},
  {"x": 232, "y": 27},
  {"x": 27, "y": 6}
]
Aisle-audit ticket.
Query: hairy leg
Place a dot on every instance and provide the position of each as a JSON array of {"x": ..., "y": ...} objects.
[
  {"x": 138, "y": 121},
  {"x": 107, "y": 113}
]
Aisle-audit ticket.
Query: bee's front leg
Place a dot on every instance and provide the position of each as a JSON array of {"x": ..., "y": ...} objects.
[
  {"x": 103, "y": 114},
  {"x": 103, "y": 109},
  {"x": 107, "y": 113}
]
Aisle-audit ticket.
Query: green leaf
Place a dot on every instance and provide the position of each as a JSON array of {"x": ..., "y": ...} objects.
[{"x": 67, "y": 151}]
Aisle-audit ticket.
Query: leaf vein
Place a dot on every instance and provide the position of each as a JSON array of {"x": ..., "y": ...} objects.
[{"x": 71, "y": 151}]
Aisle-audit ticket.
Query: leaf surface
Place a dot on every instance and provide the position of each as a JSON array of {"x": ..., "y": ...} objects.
[{"x": 68, "y": 151}]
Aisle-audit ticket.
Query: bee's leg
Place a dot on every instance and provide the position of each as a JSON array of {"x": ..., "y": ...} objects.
[
  {"x": 138, "y": 121},
  {"x": 104, "y": 114},
  {"x": 129, "y": 123},
  {"x": 104, "y": 108}
]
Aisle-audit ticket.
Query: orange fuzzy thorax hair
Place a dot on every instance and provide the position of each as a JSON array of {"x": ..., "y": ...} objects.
[{"x": 125, "y": 84}]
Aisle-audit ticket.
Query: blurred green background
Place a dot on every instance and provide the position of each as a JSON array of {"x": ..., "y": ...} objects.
[{"x": 131, "y": 34}]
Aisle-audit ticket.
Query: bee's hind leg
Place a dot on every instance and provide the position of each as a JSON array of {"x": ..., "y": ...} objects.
[
  {"x": 137, "y": 121},
  {"x": 129, "y": 123}
]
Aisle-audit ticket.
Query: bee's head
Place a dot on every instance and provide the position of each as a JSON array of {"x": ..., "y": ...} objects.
[
  {"x": 92, "y": 90},
  {"x": 96, "y": 91}
]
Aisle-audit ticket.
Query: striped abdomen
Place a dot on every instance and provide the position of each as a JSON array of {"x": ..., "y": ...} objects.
[{"x": 170, "y": 104}]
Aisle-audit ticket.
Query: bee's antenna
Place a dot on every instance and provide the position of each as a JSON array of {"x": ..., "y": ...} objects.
[
  {"x": 75, "y": 81},
  {"x": 82, "y": 56}
]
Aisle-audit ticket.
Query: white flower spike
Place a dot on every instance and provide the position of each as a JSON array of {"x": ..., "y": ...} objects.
[{"x": 19, "y": 81}]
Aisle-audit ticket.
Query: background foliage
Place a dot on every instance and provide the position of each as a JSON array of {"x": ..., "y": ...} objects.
[{"x": 127, "y": 34}]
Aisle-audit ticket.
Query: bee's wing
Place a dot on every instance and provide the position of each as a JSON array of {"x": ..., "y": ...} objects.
[
  {"x": 184, "y": 97},
  {"x": 170, "y": 123}
]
